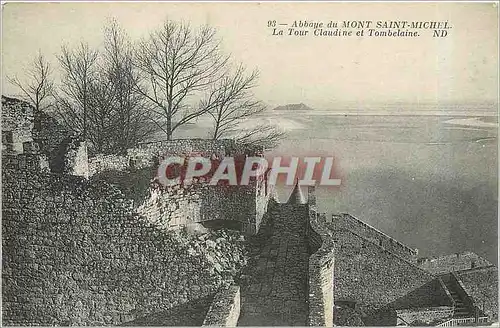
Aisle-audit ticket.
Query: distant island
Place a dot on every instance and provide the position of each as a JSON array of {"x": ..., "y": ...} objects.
[{"x": 300, "y": 106}]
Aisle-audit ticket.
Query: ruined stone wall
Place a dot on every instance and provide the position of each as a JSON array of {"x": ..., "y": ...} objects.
[
  {"x": 346, "y": 221},
  {"x": 235, "y": 207},
  {"x": 170, "y": 207},
  {"x": 53, "y": 140},
  {"x": 29, "y": 131},
  {"x": 17, "y": 117},
  {"x": 103, "y": 163},
  {"x": 146, "y": 153},
  {"x": 173, "y": 207},
  {"x": 244, "y": 204},
  {"x": 369, "y": 275},
  {"x": 76, "y": 158},
  {"x": 242, "y": 207},
  {"x": 231, "y": 203},
  {"x": 21, "y": 162},
  {"x": 482, "y": 286},
  {"x": 91, "y": 252},
  {"x": 177, "y": 206},
  {"x": 74, "y": 253}
]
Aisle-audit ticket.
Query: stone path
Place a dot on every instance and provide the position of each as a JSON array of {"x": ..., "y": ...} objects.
[{"x": 276, "y": 291}]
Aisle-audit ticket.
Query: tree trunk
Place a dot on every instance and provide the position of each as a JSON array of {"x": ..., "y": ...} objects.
[
  {"x": 169, "y": 128},
  {"x": 216, "y": 131}
]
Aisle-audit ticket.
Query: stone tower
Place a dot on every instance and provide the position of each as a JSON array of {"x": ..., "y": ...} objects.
[{"x": 296, "y": 197}]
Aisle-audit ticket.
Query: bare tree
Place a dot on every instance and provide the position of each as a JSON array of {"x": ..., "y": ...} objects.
[
  {"x": 176, "y": 64},
  {"x": 234, "y": 104},
  {"x": 102, "y": 123},
  {"x": 74, "y": 96},
  {"x": 132, "y": 121},
  {"x": 98, "y": 96},
  {"x": 38, "y": 86}
]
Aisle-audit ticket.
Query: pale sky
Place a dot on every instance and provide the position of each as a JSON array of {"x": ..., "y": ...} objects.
[{"x": 319, "y": 71}]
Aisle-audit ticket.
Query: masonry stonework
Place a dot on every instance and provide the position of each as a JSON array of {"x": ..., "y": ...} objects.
[
  {"x": 370, "y": 275},
  {"x": 18, "y": 119},
  {"x": 240, "y": 207},
  {"x": 74, "y": 252}
]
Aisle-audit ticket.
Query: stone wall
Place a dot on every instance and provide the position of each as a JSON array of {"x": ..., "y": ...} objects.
[
  {"x": 29, "y": 131},
  {"x": 76, "y": 158},
  {"x": 452, "y": 262},
  {"x": 103, "y": 163},
  {"x": 18, "y": 118},
  {"x": 481, "y": 285},
  {"x": 346, "y": 221},
  {"x": 369, "y": 275},
  {"x": 225, "y": 308},
  {"x": 75, "y": 253},
  {"x": 240, "y": 207},
  {"x": 243, "y": 204},
  {"x": 21, "y": 162},
  {"x": 53, "y": 139},
  {"x": 145, "y": 153},
  {"x": 237, "y": 207},
  {"x": 198, "y": 204},
  {"x": 321, "y": 267}
]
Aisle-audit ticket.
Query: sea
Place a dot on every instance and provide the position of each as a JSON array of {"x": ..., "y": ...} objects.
[{"x": 426, "y": 177}]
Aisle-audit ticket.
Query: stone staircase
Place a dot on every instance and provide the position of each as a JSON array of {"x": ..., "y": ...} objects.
[{"x": 461, "y": 310}]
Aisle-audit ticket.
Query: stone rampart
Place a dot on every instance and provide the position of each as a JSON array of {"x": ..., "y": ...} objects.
[
  {"x": 369, "y": 275},
  {"x": 321, "y": 267},
  {"x": 346, "y": 221}
]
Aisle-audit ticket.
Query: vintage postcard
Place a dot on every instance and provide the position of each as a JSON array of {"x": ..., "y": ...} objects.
[{"x": 250, "y": 164}]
